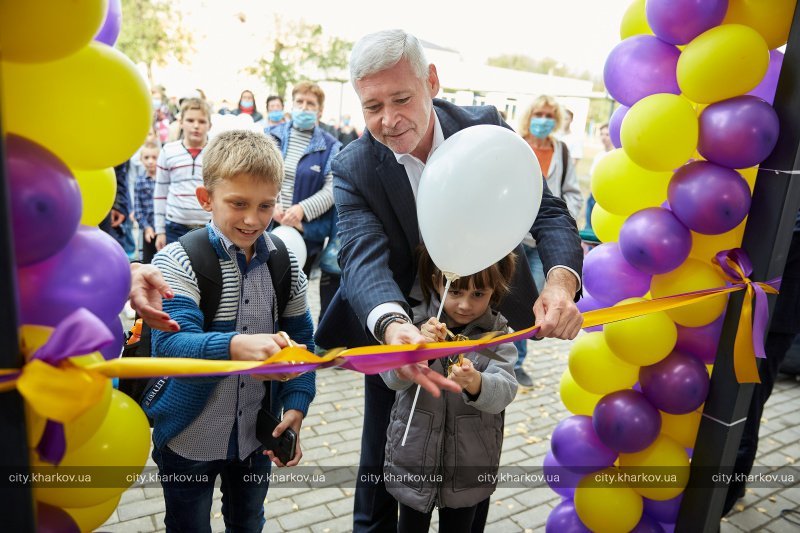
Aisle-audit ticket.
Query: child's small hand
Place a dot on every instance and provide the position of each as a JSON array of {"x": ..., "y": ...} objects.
[
  {"x": 433, "y": 330},
  {"x": 149, "y": 234},
  {"x": 161, "y": 241},
  {"x": 467, "y": 377}
]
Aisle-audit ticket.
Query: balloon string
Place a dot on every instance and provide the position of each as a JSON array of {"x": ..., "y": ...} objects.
[
  {"x": 776, "y": 171},
  {"x": 450, "y": 278}
]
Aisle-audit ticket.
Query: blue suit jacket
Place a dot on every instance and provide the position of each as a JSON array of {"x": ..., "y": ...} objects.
[{"x": 379, "y": 234}]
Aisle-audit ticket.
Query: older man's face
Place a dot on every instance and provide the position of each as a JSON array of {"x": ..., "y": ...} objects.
[{"x": 397, "y": 107}]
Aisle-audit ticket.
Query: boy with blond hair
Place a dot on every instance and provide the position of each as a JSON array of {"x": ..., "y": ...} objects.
[
  {"x": 180, "y": 172},
  {"x": 205, "y": 428}
]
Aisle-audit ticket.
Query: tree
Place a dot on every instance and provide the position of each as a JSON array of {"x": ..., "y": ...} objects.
[
  {"x": 300, "y": 49},
  {"x": 152, "y": 32}
]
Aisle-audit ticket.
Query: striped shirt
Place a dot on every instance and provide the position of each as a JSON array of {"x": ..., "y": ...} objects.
[
  {"x": 318, "y": 203},
  {"x": 178, "y": 176}
]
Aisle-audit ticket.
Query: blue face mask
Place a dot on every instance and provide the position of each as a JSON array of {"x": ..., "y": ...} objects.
[
  {"x": 541, "y": 127},
  {"x": 246, "y": 105},
  {"x": 275, "y": 116},
  {"x": 303, "y": 120},
  {"x": 156, "y": 103},
  {"x": 346, "y": 121}
]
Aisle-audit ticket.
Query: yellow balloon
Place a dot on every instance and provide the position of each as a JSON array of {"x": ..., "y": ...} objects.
[
  {"x": 606, "y": 225},
  {"x": 98, "y": 191},
  {"x": 36, "y": 31},
  {"x": 622, "y": 187},
  {"x": 607, "y": 506},
  {"x": 634, "y": 21},
  {"x": 705, "y": 247},
  {"x": 93, "y": 107},
  {"x": 644, "y": 340},
  {"x": 595, "y": 368},
  {"x": 577, "y": 400},
  {"x": 749, "y": 175},
  {"x": 681, "y": 428},
  {"x": 660, "y": 132},
  {"x": 771, "y": 18},
  {"x": 692, "y": 275},
  {"x": 721, "y": 63},
  {"x": 90, "y": 518},
  {"x": 664, "y": 457},
  {"x": 121, "y": 441}
]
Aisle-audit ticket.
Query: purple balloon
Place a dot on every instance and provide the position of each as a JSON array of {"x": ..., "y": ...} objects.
[
  {"x": 663, "y": 510},
  {"x": 640, "y": 66},
  {"x": 668, "y": 528},
  {"x": 561, "y": 479},
  {"x": 627, "y": 282},
  {"x": 109, "y": 31},
  {"x": 677, "y": 385},
  {"x": 708, "y": 198},
  {"x": 564, "y": 519},
  {"x": 626, "y": 422},
  {"x": 92, "y": 271},
  {"x": 654, "y": 241},
  {"x": 589, "y": 303},
  {"x": 701, "y": 342},
  {"x": 647, "y": 525},
  {"x": 575, "y": 445},
  {"x": 51, "y": 519},
  {"x": 615, "y": 125},
  {"x": 739, "y": 132},
  {"x": 45, "y": 201},
  {"x": 680, "y": 21},
  {"x": 766, "y": 89},
  {"x": 112, "y": 350}
]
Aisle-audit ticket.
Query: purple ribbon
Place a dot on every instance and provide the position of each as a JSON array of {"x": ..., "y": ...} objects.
[
  {"x": 80, "y": 333},
  {"x": 760, "y": 308}
]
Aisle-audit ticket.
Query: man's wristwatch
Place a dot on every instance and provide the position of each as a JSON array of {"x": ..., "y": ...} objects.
[{"x": 383, "y": 323}]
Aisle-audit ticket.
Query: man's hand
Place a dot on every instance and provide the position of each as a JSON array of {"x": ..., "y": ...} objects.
[
  {"x": 293, "y": 216},
  {"x": 406, "y": 333},
  {"x": 161, "y": 241},
  {"x": 555, "y": 310},
  {"x": 117, "y": 218},
  {"x": 149, "y": 234},
  {"x": 147, "y": 289},
  {"x": 291, "y": 419}
]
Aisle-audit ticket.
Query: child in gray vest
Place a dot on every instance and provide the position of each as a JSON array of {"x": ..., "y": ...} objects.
[{"x": 451, "y": 452}]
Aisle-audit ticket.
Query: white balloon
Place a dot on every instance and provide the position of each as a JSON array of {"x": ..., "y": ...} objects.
[
  {"x": 478, "y": 197},
  {"x": 293, "y": 241}
]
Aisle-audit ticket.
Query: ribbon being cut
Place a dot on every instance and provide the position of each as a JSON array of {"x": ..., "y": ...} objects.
[{"x": 60, "y": 386}]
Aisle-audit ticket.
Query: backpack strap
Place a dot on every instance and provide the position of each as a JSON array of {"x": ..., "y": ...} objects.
[
  {"x": 205, "y": 264},
  {"x": 280, "y": 269},
  {"x": 564, "y": 162}
]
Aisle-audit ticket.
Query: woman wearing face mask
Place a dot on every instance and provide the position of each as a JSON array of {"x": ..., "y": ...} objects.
[
  {"x": 247, "y": 106},
  {"x": 537, "y": 126},
  {"x": 307, "y": 190}
]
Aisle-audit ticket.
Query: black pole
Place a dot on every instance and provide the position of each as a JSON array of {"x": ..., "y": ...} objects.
[
  {"x": 776, "y": 198},
  {"x": 16, "y": 501}
]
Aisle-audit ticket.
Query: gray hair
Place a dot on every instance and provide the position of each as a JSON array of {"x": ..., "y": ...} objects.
[{"x": 384, "y": 49}]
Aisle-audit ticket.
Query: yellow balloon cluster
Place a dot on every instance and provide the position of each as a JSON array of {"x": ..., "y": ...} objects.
[
  {"x": 578, "y": 400},
  {"x": 98, "y": 191},
  {"x": 692, "y": 275},
  {"x": 622, "y": 187},
  {"x": 634, "y": 21},
  {"x": 596, "y": 369},
  {"x": 606, "y": 225},
  {"x": 771, "y": 18},
  {"x": 665, "y": 457},
  {"x": 644, "y": 340},
  {"x": 603, "y": 503}
]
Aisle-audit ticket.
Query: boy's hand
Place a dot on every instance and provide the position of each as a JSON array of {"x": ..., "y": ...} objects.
[
  {"x": 467, "y": 377},
  {"x": 161, "y": 241},
  {"x": 291, "y": 419},
  {"x": 433, "y": 330},
  {"x": 277, "y": 215},
  {"x": 117, "y": 218},
  {"x": 147, "y": 289},
  {"x": 293, "y": 216},
  {"x": 258, "y": 347},
  {"x": 149, "y": 234}
]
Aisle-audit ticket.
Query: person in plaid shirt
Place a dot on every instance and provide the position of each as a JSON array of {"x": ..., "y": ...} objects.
[{"x": 143, "y": 202}]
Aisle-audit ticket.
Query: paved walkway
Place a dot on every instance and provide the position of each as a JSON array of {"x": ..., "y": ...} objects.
[{"x": 331, "y": 437}]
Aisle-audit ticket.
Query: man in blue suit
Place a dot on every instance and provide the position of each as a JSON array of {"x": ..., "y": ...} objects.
[{"x": 375, "y": 185}]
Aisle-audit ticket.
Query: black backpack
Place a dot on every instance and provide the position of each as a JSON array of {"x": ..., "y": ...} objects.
[{"x": 205, "y": 264}]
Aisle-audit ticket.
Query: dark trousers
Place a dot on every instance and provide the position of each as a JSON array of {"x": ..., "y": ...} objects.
[
  {"x": 244, "y": 487},
  {"x": 776, "y": 346},
  {"x": 374, "y": 509},
  {"x": 450, "y": 520},
  {"x": 148, "y": 250},
  {"x": 175, "y": 231},
  {"x": 328, "y": 285}
]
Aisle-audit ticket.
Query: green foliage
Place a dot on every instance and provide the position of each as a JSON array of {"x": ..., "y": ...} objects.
[
  {"x": 152, "y": 32},
  {"x": 300, "y": 50}
]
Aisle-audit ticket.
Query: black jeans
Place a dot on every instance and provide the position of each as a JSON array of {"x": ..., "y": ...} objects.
[{"x": 450, "y": 520}]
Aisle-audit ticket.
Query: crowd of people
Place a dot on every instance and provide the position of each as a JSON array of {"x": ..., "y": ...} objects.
[{"x": 352, "y": 197}]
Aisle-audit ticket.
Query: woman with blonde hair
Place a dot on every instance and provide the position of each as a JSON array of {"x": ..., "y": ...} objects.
[{"x": 537, "y": 126}]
